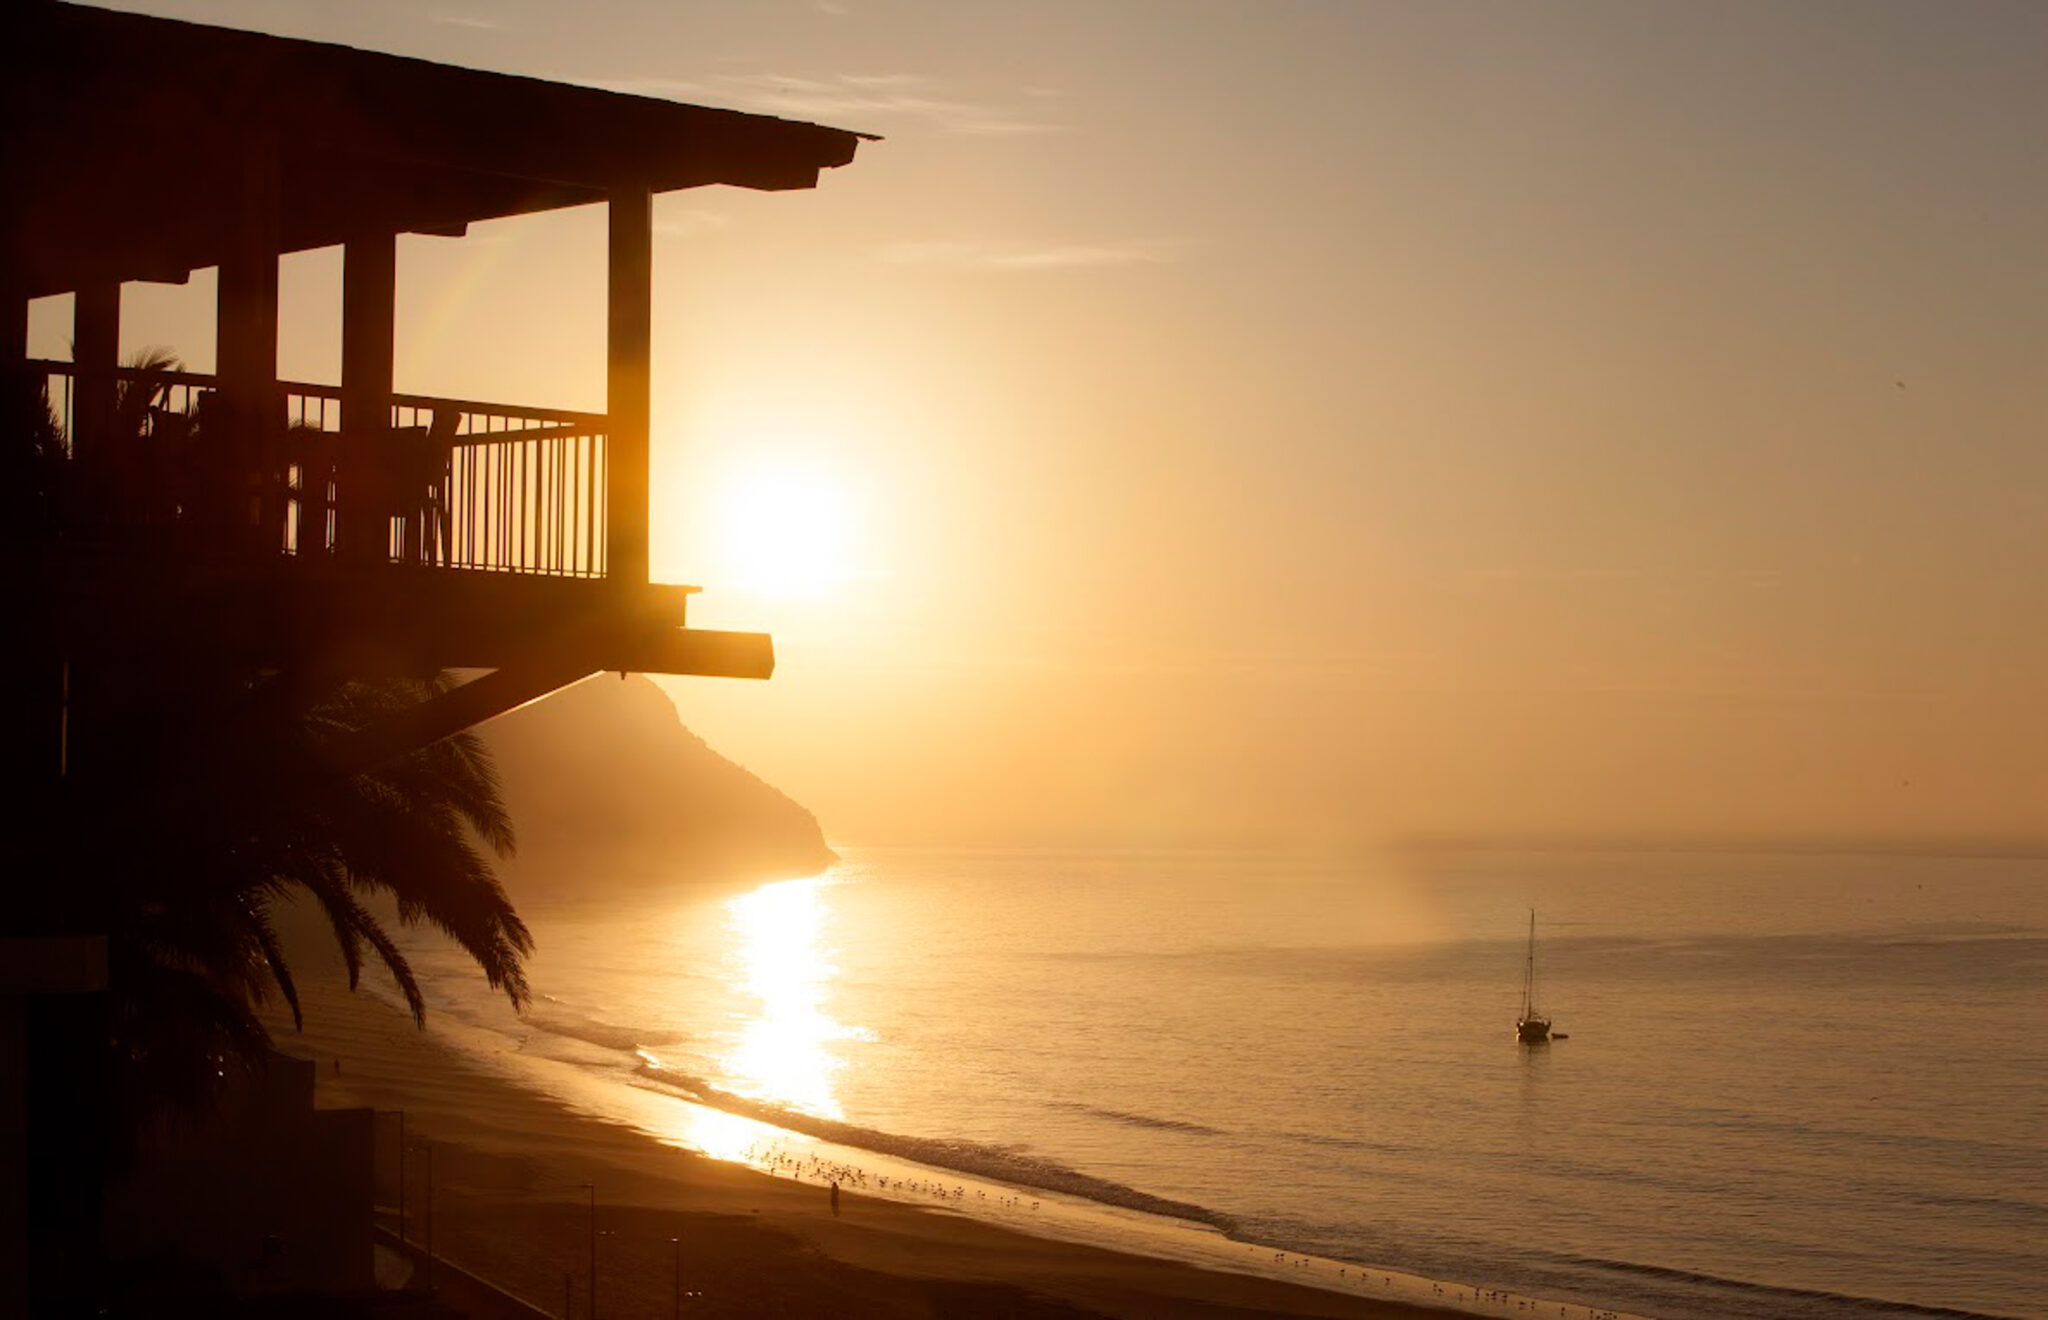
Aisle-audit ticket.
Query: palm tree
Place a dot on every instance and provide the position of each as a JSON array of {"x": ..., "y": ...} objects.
[
  {"x": 197, "y": 820},
  {"x": 195, "y": 805}
]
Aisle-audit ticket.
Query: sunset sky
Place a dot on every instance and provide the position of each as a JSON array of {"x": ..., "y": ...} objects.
[{"x": 1313, "y": 422}]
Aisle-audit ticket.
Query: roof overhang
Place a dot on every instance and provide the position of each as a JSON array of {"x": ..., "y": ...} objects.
[{"x": 128, "y": 139}]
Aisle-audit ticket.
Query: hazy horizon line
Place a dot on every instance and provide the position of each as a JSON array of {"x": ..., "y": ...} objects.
[{"x": 1989, "y": 847}]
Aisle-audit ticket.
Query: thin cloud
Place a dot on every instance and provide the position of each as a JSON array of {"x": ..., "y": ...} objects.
[
  {"x": 865, "y": 98},
  {"x": 964, "y": 255},
  {"x": 1256, "y": 664},
  {"x": 470, "y": 21},
  {"x": 1517, "y": 575},
  {"x": 688, "y": 224}
]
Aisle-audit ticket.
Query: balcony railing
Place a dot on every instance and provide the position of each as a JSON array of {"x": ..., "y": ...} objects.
[{"x": 450, "y": 484}]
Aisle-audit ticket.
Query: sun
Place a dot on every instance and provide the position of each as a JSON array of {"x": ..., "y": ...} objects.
[{"x": 783, "y": 531}]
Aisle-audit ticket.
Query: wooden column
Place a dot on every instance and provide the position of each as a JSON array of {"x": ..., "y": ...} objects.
[
  {"x": 249, "y": 414},
  {"x": 15, "y": 263},
  {"x": 95, "y": 353},
  {"x": 369, "y": 315},
  {"x": 628, "y": 389},
  {"x": 13, "y": 318},
  {"x": 31, "y": 717}
]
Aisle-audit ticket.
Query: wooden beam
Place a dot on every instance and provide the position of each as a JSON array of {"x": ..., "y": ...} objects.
[
  {"x": 369, "y": 315},
  {"x": 549, "y": 668},
  {"x": 480, "y": 699},
  {"x": 18, "y": 272},
  {"x": 14, "y": 298},
  {"x": 245, "y": 330},
  {"x": 628, "y": 383},
  {"x": 251, "y": 405},
  {"x": 95, "y": 353},
  {"x": 695, "y": 652}
]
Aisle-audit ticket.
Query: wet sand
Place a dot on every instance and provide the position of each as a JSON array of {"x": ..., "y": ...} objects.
[{"x": 509, "y": 1168}]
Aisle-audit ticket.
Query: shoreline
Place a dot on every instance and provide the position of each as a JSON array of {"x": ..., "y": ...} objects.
[{"x": 513, "y": 1167}]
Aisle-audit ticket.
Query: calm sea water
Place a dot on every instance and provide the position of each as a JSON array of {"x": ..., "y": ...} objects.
[{"x": 1794, "y": 1086}]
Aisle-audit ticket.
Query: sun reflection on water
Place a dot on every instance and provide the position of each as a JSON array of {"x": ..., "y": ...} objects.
[
  {"x": 783, "y": 1053},
  {"x": 725, "y": 1136}
]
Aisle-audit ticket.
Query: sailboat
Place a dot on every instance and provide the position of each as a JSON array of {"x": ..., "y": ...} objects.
[{"x": 1532, "y": 1028}]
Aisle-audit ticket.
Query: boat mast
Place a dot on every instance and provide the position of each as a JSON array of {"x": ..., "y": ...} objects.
[{"x": 1529, "y": 971}]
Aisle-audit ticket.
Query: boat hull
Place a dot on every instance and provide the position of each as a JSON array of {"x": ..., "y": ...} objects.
[{"x": 1532, "y": 1030}]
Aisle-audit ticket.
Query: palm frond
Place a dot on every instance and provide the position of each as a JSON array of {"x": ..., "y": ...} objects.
[
  {"x": 225, "y": 781},
  {"x": 265, "y": 937}
]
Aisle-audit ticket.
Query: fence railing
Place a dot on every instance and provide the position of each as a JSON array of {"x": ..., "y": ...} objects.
[{"x": 449, "y": 483}]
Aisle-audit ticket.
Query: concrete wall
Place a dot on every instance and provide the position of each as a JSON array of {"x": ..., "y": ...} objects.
[
  {"x": 53, "y": 1017},
  {"x": 270, "y": 1196},
  {"x": 474, "y": 1296}
]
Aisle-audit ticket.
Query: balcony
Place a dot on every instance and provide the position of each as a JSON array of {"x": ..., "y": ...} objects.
[
  {"x": 464, "y": 534},
  {"x": 334, "y": 531},
  {"x": 449, "y": 484}
]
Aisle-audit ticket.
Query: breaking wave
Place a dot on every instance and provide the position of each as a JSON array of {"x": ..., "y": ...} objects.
[
  {"x": 966, "y": 1157},
  {"x": 552, "y": 1018},
  {"x": 1776, "y": 1301},
  {"x": 1138, "y": 1120}
]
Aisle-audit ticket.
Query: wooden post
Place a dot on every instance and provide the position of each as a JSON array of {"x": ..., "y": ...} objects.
[
  {"x": 428, "y": 1147},
  {"x": 95, "y": 354},
  {"x": 628, "y": 386},
  {"x": 250, "y": 411},
  {"x": 13, "y": 313},
  {"x": 593, "y": 1249},
  {"x": 401, "y": 1178},
  {"x": 369, "y": 313}
]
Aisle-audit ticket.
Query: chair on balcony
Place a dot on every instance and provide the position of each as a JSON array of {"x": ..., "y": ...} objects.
[
  {"x": 391, "y": 487},
  {"x": 422, "y": 461}
]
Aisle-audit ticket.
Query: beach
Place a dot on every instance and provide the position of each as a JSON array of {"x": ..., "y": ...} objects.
[
  {"x": 512, "y": 1173},
  {"x": 1351, "y": 1116}
]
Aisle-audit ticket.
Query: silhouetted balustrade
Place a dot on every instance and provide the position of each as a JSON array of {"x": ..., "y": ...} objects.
[{"x": 450, "y": 484}]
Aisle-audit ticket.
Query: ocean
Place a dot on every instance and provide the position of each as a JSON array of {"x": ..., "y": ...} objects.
[{"x": 1786, "y": 1086}]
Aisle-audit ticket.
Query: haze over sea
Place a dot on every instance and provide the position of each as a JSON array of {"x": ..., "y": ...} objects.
[{"x": 1793, "y": 1085}]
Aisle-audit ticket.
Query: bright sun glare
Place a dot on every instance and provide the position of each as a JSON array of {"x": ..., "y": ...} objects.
[
  {"x": 784, "y": 1052},
  {"x": 784, "y": 532}
]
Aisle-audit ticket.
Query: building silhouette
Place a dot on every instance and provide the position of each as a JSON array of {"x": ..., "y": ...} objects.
[{"x": 315, "y": 533}]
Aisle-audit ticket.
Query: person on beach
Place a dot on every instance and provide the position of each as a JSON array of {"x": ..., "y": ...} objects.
[{"x": 835, "y": 1200}]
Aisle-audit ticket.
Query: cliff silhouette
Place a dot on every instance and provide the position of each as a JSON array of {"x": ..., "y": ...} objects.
[{"x": 607, "y": 789}]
